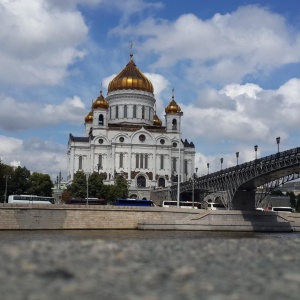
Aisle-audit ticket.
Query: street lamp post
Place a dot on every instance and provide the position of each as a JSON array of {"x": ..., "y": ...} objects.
[
  {"x": 207, "y": 168},
  {"x": 255, "y": 149},
  {"x": 193, "y": 192},
  {"x": 221, "y": 160},
  {"x": 278, "y": 142},
  {"x": 237, "y": 157},
  {"x": 179, "y": 160},
  {"x": 87, "y": 174},
  {"x": 5, "y": 193}
]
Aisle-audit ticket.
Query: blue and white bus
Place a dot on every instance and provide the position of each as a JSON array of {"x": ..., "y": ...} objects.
[
  {"x": 30, "y": 199},
  {"x": 133, "y": 202}
]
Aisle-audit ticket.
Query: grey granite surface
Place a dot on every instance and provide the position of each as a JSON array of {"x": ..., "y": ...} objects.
[{"x": 151, "y": 269}]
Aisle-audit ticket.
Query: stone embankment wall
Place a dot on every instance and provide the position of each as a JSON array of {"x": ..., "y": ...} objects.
[
  {"x": 19, "y": 217},
  {"x": 36, "y": 216}
]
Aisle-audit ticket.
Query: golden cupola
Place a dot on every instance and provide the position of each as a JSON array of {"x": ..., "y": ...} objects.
[
  {"x": 156, "y": 120},
  {"x": 89, "y": 117},
  {"x": 131, "y": 78},
  {"x": 100, "y": 102},
  {"x": 172, "y": 107}
]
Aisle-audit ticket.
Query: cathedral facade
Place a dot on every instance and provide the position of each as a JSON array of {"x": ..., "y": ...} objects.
[{"x": 124, "y": 137}]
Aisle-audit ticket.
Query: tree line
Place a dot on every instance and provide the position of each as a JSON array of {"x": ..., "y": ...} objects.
[
  {"x": 19, "y": 181},
  {"x": 96, "y": 188}
]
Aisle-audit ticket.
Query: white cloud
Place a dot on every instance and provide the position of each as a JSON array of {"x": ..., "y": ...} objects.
[
  {"x": 290, "y": 91},
  {"x": 234, "y": 90},
  {"x": 225, "y": 48},
  {"x": 28, "y": 115},
  {"x": 38, "y": 43},
  {"x": 35, "y": 154},
  {"x": 248, "y": 113}
]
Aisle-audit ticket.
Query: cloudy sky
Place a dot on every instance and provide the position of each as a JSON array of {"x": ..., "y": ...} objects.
[{"x": 234, "y": 65}]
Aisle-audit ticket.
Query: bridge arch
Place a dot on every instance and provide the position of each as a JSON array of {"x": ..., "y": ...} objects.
[{"x": 237, "y": 185}]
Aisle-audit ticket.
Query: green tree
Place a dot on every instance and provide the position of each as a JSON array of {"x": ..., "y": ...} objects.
[
  {"x": 78, "y": 186},
  {"x": 118, "y": 190},
  {"x": 5, "y": 178},
  {"x": 96, "y": 186},
  {"x": 292, "y": 198},
  {"x": 19, "y": 181},
  {"x": 122, "y": 186},
  {"x": 40, "y": 184}
]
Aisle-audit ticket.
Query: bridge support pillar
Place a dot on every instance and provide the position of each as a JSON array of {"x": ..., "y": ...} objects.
[{"x": 243, "y": 200}]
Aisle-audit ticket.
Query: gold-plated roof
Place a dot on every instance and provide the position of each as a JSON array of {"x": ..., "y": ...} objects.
[
  {"x": 156, "y": 120},
  {"x": 131, "y": 78},
  {"x": 172, "y": 107},
  {"x": 89, "y": 117},
  {"x": 100, "y": 102}
]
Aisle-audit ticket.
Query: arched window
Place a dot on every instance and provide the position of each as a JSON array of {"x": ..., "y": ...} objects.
[
  {"x": 101, "y": 121},
  {"x": 80, "y": 163},
  {"x": 117, "y": 111},
  {"x": 141, "y": 181},
  {"x": 143, "y": 112},
  {"x": 110, "y": 113},
  {"x": 161, "y": 182},
  {"x": 134, "y": 111},
  {"x": 174, "y": 124},
  {"x": 125, "y": 111}
]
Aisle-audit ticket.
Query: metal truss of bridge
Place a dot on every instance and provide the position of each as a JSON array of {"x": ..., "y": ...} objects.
[{"x": 244, "y": 186}]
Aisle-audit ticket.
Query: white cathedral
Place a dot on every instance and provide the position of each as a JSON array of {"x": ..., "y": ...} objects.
[{"x": 124, "y": 137}]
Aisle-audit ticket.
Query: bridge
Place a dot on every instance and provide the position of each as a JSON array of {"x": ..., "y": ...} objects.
[{"x": 244, "y": 186}]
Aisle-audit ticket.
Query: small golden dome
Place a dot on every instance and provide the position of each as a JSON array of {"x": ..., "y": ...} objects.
[
  {"x": 89, "y": 117},
  {"x": 172, "y": 107},
  {"x": 131, "y": 78},
  {"x": 156, "y": 121},
  {"x": 100, "y": 102}
]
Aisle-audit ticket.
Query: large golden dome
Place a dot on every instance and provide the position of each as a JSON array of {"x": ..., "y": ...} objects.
[
  {"x": 100, "y": 102},
  {"x": 156, "y": 121},
  {"x": 172, "y": 107},
  {"x": 89, "y": 117},
  {"x": 131, "y": 78}
]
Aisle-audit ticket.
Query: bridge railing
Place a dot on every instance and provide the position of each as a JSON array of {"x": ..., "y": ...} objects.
[{"x": 260, "y": 162}]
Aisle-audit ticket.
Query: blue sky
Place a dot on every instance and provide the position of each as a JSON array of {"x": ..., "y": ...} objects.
[{"x": 234, "y": 66}]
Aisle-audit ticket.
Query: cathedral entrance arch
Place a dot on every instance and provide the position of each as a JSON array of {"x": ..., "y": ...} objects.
[
  {"x": 141, "y": 181},
  {"x": 161, "y": 182}
]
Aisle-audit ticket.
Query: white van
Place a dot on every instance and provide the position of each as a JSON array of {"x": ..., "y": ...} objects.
[{"x": 213, "y": 206}]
